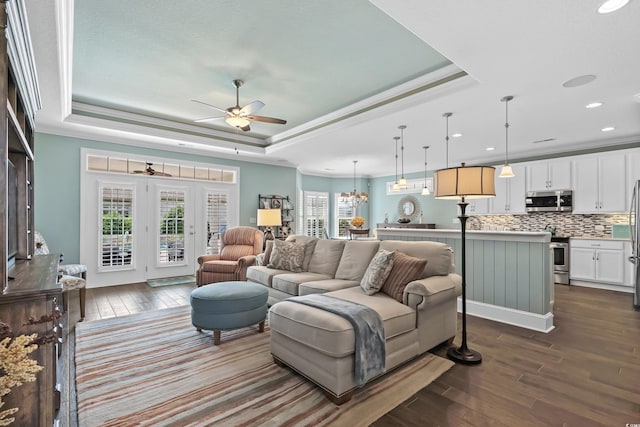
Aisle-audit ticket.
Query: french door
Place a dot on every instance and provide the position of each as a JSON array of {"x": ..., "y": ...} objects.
[
  {"x": 170, "y": 229},
  {"x": 137, "y": 228}
]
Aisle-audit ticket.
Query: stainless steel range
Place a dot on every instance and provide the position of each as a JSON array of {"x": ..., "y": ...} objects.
[{"x": 560, "y": 247}]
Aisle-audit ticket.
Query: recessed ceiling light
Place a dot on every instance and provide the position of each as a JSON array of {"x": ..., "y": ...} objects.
[
  {"x": 579, "y": 81},
  {"x": 594, "y": 105},
  {"x": 612, "y": 5},
  {"x": 456, "y": 135},
  {"x": 607, "y": 129},
  {"x": 490, "y": 148}
]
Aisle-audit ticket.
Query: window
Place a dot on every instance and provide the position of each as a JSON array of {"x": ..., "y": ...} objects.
[
  {"x": 316, "y": 213},
  {"x": 343, "y": 213},
  {"x": 217, "y": 215},
  {"x": 116, "y": 233}
]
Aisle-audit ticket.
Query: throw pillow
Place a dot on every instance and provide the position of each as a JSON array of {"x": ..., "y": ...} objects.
[
  {"x": 405, "y": 269},
  {"x": 286, "y": 256},
  {"x": 377, "y": 272}
]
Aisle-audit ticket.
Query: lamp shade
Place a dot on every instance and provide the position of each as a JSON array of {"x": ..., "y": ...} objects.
[
  {"x": 269, "y": 217},
  {"x": 471, "y": 182},
  {"x": 506, "y": 172}
]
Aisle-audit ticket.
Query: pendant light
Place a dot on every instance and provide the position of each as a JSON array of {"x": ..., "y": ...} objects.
[
  {"x": 403, "y": 181},
  {"x": 425, "y": 189},
  {"x": 356, "y": 199},
  {"x": 506, "y": 171},
  {"x": 396, "y": 185},
  {"x": 446, "y": 139}
]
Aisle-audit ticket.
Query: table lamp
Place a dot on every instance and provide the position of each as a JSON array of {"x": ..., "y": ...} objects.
[
  {"x": 269, "y": 218},
  {"x": 462, "y": 183}
]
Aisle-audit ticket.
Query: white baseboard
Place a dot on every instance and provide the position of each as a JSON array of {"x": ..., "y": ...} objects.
[
  {"x": 523, "y": 319},
  {"x": 617, "y": 288}
]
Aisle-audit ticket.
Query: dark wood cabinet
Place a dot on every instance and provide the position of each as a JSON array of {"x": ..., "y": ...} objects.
[{"x": 35, "y": 292}]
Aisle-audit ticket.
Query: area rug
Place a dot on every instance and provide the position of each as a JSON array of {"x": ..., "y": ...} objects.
[
  {"x": 154, "y": 368},
  {"x": 167, "y": 281}
]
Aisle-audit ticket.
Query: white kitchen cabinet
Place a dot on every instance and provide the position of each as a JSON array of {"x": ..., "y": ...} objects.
[
  {"x": 510, "y": 192},
  {"x": 633, "y": 168},
  {"x": 549, "y": 175},
  {"x": 477, "y": 206},
  {"x": 599, "y": 184},
  {"x": 597, "y": 261}
]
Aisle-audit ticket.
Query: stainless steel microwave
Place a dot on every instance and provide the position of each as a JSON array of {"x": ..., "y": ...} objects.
[{"x": 549, "y": 201}]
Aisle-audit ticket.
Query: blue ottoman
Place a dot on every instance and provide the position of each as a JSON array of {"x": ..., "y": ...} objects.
[{"x": 228, "y": 305}]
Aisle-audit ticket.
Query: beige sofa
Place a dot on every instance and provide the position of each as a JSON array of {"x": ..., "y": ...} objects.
[{"x": 320, "y": 345}]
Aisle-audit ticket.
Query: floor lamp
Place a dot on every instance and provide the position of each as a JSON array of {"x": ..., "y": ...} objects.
[
  {"x": 269, "y": 218},
  {"x": 462, "y": 183}
]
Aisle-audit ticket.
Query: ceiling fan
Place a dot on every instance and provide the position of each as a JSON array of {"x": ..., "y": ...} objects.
[
  {"x": 151, "y": 171},
  {"x": 240, "y": 117}
]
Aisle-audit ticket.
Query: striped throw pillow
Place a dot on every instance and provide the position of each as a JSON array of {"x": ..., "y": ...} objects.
[{"x": 405, "y": 270}]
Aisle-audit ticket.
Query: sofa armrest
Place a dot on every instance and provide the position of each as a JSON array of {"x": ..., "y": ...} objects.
[
  {"x": 432, "y": 290},
  {"x": 246, "y": 261},
  {"x": 204, "y": 258}
]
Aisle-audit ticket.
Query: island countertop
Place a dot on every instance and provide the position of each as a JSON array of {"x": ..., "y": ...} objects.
[
  {"x": 506, "y": 236},
  {"x": 509, "y": 274}
]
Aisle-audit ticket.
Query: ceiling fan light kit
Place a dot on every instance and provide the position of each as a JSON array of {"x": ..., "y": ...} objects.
[{"x": 240, "y": 117}]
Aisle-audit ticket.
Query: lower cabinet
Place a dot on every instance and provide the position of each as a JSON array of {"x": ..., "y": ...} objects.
[{"x": 598, "y": 261}]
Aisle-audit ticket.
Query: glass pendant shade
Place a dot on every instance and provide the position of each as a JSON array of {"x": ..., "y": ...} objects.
[
  {"x": 425, "y": 191},
  {"x": 506, "y": 172}
]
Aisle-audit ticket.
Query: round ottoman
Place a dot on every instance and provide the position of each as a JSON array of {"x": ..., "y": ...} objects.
[{"x": 228, "y": 305}]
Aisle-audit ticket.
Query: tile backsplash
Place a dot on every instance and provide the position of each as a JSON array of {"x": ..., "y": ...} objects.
[{"x": 566, "y": 224}]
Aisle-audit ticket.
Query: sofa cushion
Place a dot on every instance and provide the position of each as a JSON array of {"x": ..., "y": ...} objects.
[
  {"x": 289, "y": 282},
  {"x": 377, "y": 272},
  {"x": 405, "y": 269},
  {"x": 263, "y": 275},
  {"x": 220, "y": 266},
  {"x": 287, "y": 256},
  {"x": 355, "y": 259},
  {"x": 331, "y": 334},
  {"x": 309, "y": 244},
  {"x": 326, "y": 256},
  {"x": 322, "y": 286},
  {"x": 438, "y": 254}
]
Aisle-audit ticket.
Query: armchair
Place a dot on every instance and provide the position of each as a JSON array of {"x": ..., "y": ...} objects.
[{"x": 239, "y": 247}]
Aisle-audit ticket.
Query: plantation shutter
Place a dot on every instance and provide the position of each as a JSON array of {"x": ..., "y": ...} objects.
[
  {"x": 217, "y": 219},
  {"x": 116, "y": 229},
  {"x": 316, "y": 213}
]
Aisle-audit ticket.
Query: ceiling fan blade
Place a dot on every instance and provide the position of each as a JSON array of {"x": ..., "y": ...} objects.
[
  {"x": 208, "y": 119},
  {"x": 251, "y": 108},
  {"x": 209, "y": 105},
  {"x": 267, "y": 120}
]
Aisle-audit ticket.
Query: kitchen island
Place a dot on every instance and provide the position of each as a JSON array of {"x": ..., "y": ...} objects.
[{"x": 509, "y": 274}]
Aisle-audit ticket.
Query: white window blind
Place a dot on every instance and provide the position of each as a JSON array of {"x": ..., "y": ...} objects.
[
  {"x": 344, "y": 211},
  {"x": 217, "y": 219},
  {"x": 116, "y": 231},
  {"x": 316, "y": 213},
  {"x": 171, "y": 248}
]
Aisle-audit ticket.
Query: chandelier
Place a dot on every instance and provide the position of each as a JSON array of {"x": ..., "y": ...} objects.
[{"x": 356, "y": 199}]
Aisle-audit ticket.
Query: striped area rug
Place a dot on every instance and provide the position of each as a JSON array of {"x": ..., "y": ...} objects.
[{"x": 155, "y": 369}]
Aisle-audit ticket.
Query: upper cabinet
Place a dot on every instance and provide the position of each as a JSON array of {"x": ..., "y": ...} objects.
[
  {"x": 510, "y": 192},
  {"x": 549, "y": 175},
  {"x": 599, "y": 184}
]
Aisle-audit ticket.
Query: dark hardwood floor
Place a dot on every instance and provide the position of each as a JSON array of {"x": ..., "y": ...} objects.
[{"x": 586, "y": 372}]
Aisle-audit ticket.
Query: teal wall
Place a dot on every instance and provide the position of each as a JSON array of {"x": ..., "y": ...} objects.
[
  {"x": 57, "y": 186},
  {"x": 57, "y": 189},
  {"x": 439, "y": 212}
]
